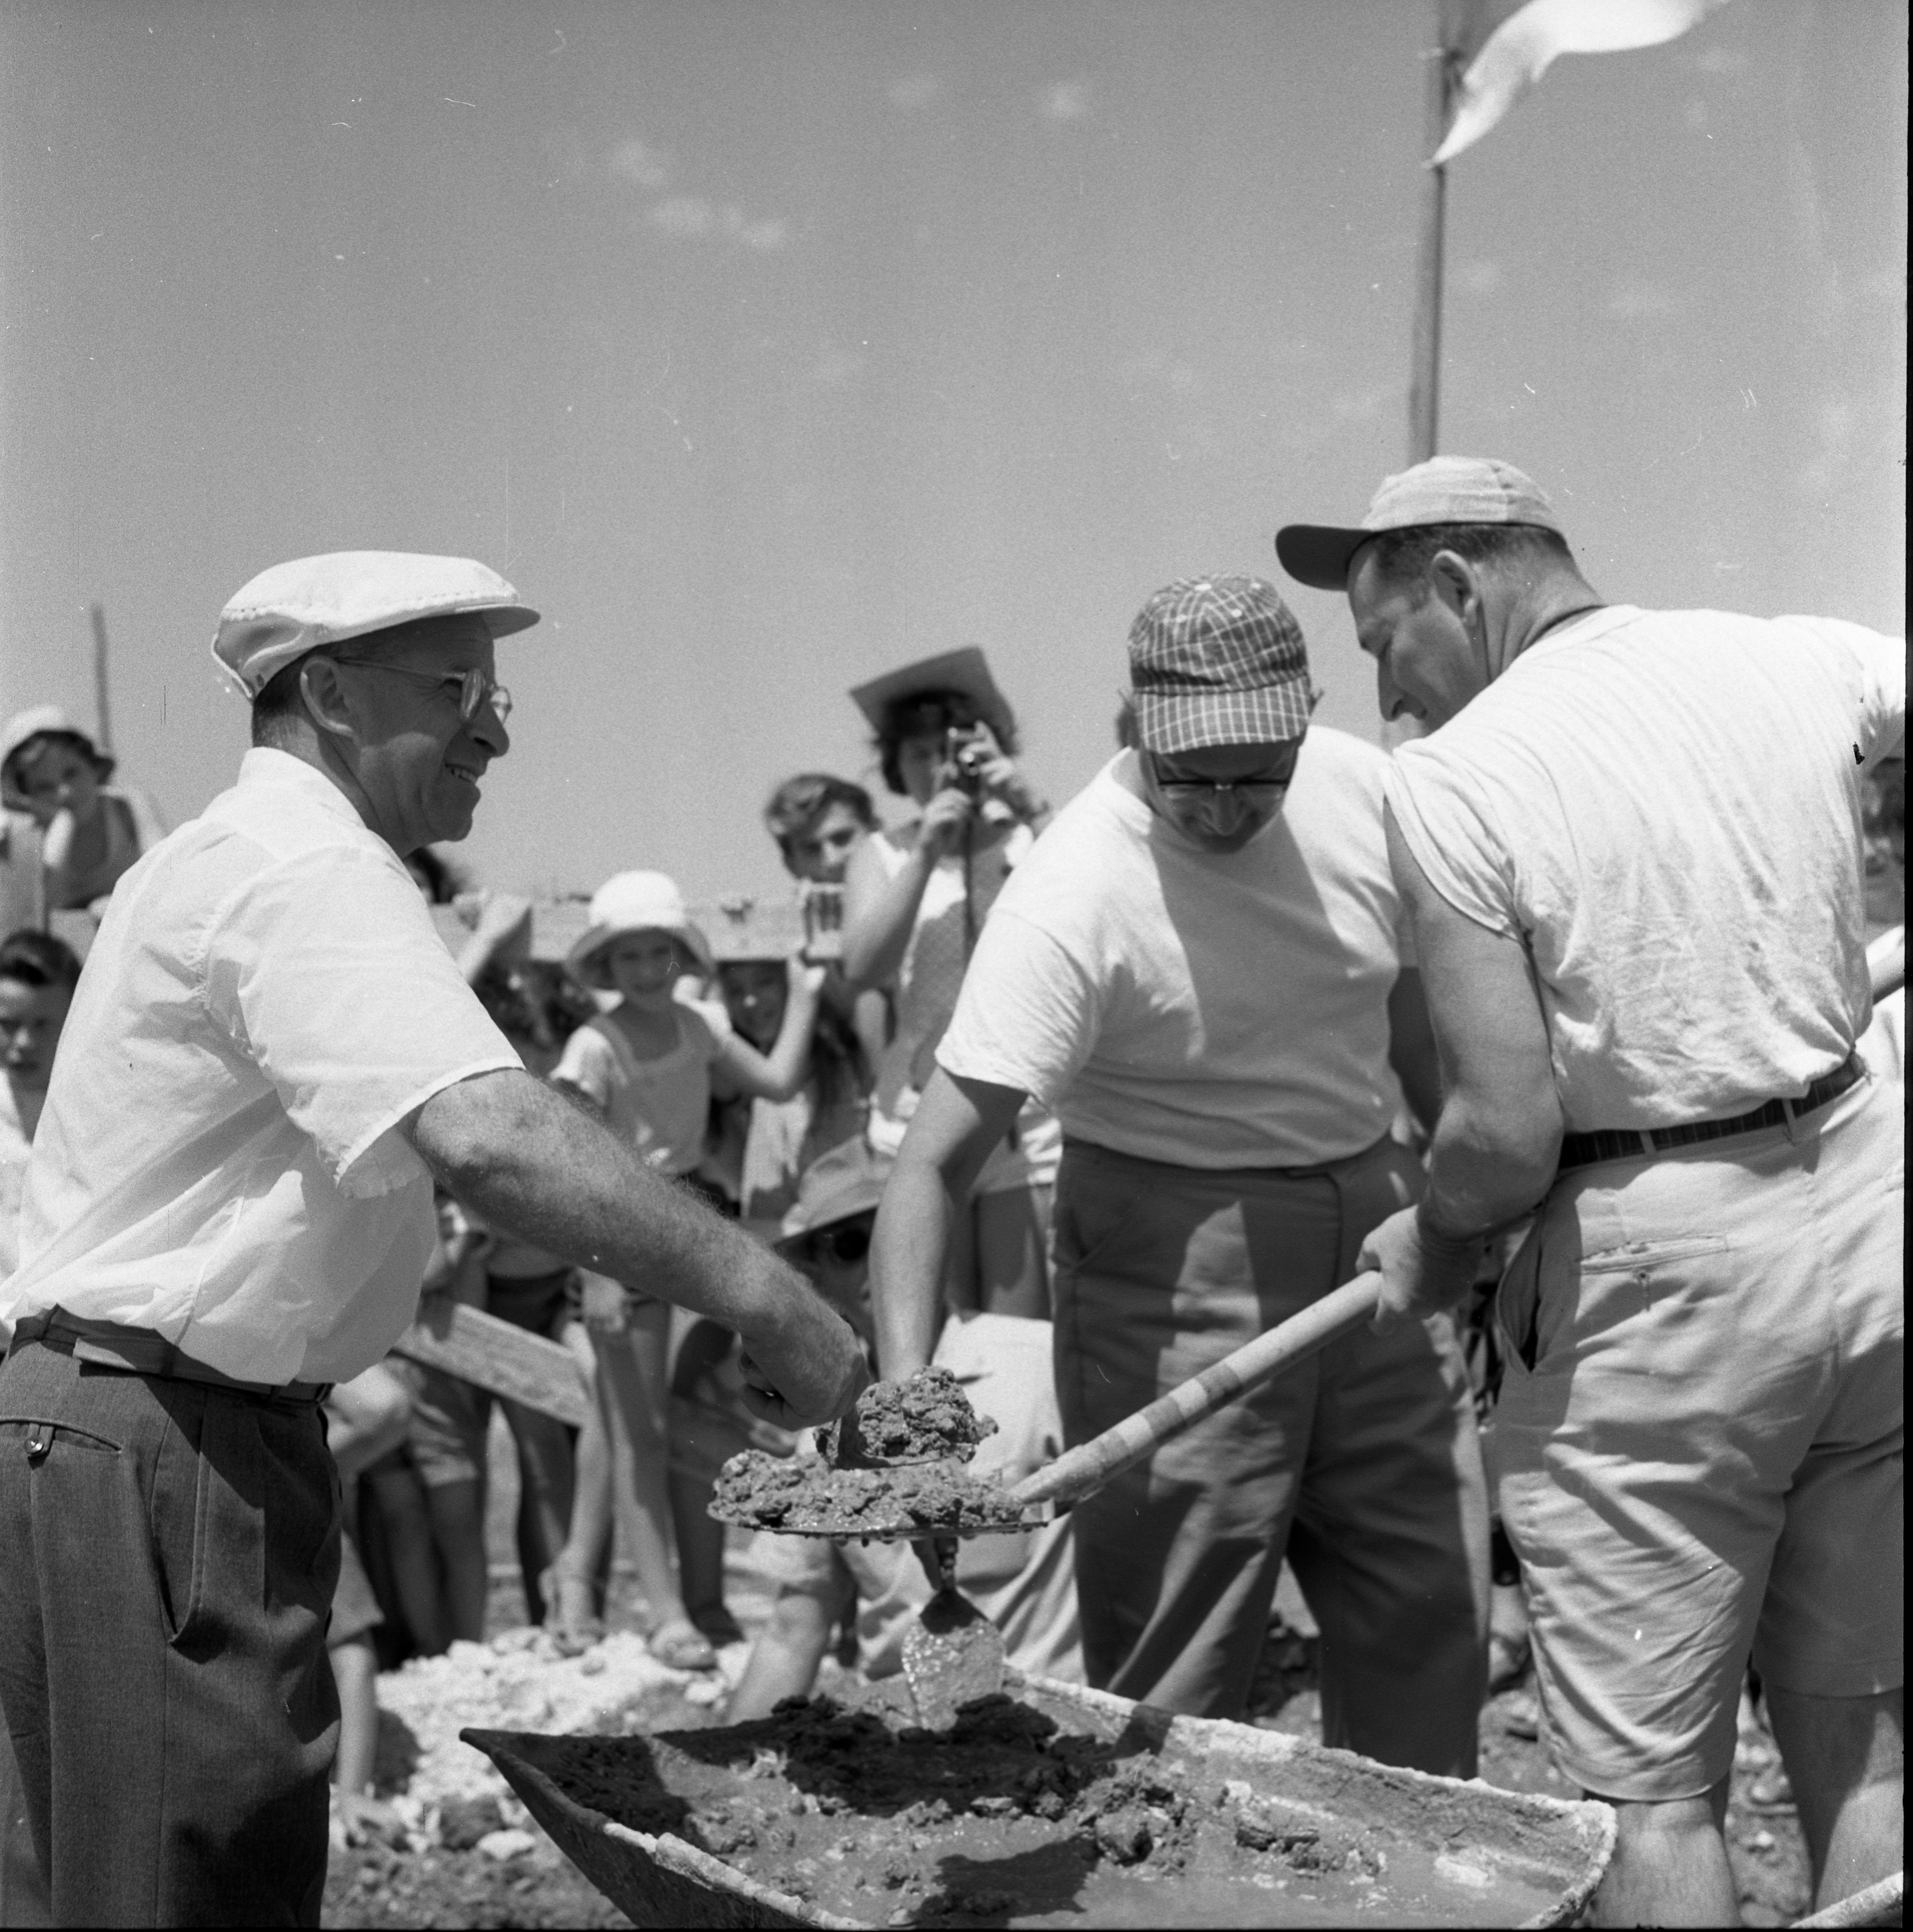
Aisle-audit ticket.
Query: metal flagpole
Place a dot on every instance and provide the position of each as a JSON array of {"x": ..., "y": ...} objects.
[
  {"x": 102, "y": 715},
  {"x": 1425, "y": 357},
  {"x": 1425, "y": 369}
]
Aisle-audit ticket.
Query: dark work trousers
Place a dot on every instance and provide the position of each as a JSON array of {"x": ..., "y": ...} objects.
[
  {"x": 168, "y": 1551},
  {"x": 1361, "y": 1463}
]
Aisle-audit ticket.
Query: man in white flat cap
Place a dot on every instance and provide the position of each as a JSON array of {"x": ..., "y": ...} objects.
[
  {"x": 1631, "y": 849},
  {"x": 270, "y": 1057}
]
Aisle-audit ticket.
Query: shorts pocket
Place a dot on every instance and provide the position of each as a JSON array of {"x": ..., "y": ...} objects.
[
  {"x": 1636, "y": 1257},
  {"x": 1517, "y": 1312}
]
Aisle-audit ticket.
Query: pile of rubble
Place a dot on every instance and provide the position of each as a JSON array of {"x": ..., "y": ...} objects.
[{"x": 443, "y": 1791}]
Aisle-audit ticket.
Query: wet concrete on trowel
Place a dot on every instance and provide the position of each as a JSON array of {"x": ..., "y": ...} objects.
[
  {"x": 924, "y": 1417},
  {"x": 1010, "y": 1819},
  {"x": 758, "y": 1491}
]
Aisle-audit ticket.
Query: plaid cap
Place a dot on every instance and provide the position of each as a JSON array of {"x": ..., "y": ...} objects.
[{"x": 1218, "y": 661}]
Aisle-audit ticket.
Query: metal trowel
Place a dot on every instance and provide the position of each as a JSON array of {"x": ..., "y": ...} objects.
[{"x": 952, "y": 1653}]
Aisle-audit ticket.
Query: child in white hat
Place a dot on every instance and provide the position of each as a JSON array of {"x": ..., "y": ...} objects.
[{"x": 646, "y": 1065}]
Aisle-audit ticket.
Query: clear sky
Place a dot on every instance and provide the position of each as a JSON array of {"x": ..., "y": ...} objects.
[{"x": 765, "y": 346}]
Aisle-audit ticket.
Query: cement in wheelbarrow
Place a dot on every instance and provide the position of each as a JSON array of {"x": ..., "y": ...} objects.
[{"x": 1053, "y": 1806}]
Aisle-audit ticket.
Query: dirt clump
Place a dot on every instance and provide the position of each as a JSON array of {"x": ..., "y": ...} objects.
[
  {"x": 756, "y": 1490},
  {"x": 922, "y": 1418}
]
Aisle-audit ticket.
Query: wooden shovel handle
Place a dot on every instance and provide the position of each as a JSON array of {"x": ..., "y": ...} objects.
[{"x": 1089, "y": 1465}]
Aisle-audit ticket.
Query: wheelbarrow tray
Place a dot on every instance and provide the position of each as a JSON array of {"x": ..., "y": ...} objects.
[{"x": 1458, "y": 1853}]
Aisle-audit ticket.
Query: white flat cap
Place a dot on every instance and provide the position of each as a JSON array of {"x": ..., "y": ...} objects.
[{"x": 295, "y": 607}]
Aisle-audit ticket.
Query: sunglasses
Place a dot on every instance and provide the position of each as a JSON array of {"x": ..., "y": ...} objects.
[{"x": 850, "y": 1242}]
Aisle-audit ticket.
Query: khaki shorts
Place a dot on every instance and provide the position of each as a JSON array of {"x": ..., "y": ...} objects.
[{"x": 1699, "y": 1447}]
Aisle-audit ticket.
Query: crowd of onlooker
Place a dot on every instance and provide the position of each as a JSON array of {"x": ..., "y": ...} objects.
[{"x": 769, "y": 1057}]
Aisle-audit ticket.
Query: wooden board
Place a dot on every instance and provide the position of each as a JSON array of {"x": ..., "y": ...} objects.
[{"x": 498, "y": 1357}]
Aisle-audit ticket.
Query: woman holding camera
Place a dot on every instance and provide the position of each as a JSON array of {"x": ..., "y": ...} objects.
[{"x": 914, "y": 897}]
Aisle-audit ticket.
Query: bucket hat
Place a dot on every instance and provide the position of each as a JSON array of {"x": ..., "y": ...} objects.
[
  {"x": 633, "y": 902},
  {"x": 1444, "y": 490},
  {"x": 1218, "y": 661},
  {"x": 967, "y": 671},
  {"x": 296, "y": 607},
  {"x": 847, "y": 1181},
  {"x": 42, "y": 721}
]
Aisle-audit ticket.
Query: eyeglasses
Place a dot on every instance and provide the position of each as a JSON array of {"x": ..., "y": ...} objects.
[
  {"x": 850, "y": 1243},
  {"x": 1193, "y": 791},
  {"x": 476, "y": 689},
  {"x": 1189, "y": 791}
]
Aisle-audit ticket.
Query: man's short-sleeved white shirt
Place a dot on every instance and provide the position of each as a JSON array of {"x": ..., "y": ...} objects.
[
  {"x": 217, "y": 1159},
  {"x": 1663, "y": 808},
  {"x": 1209, "y": 1010}
]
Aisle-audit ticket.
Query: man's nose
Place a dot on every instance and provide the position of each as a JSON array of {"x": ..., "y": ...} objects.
[
  {"x": 1388, "y": 693},
  {"x": 487, "y": 730},
  {"x": 1225, "y": 810}
]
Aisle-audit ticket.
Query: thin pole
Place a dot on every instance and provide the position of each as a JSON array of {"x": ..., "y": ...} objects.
[
  {"x": 102, "y": 706},
  {"x": 1424, "y": 370}
]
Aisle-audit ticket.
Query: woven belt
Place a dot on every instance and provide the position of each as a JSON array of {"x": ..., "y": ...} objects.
[
  {"x": 1637, "y": 1143},
  {"x": 140, "y": 1351}
]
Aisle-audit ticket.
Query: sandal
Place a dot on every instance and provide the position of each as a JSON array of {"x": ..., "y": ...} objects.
[
  {"x": 570, "y": 1611},
  {"x": 680, "y": 1644},
  {"x": 718, "y": 1624}
]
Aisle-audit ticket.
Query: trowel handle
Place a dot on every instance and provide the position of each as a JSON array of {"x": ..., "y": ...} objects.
[{"x": 1091, "y": 1464}]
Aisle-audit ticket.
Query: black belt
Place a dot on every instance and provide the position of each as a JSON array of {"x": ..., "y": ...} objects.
[
  {"x": 1640, "y": 1143},
  {"x": 141, "y": 1352}
]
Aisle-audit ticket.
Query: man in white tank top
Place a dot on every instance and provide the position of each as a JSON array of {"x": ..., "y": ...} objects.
[{"x": 1630, "y": 849}]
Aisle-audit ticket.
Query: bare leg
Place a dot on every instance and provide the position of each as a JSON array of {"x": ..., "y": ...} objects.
[
  {"x": 784, "y": 1660},
  {"x": 1012, "y": 1252},
  {"x": 1847, "y": 1758},
  {"x": 700, "y": 1559},
  {"x": 413, "y": 1555},
  {"x": 574, "y": 1614},
  {"x": 631, "y": 1371},
  {"x": 1670, "y": 1864},
  {"x": 458, "y": 1527},
  {"x": 355, "y": 1669},
  {"x": 544, "y": 1492}
]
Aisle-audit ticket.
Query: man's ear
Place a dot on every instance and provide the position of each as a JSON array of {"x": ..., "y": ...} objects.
[
  {"x": 326, "y": 699},
  {"x": 1456, "y": 582}
]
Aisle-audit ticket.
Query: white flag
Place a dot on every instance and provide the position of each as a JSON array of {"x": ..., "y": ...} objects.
[{"x": 1526, "y": 43}]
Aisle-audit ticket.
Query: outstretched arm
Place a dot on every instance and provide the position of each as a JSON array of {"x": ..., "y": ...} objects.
[
  {"x": 956, "y": 1124},
  {"x": 779, "y": 1074},
  {"x": 535, "y": 1166},
  {"x": 1498, "y": 1138}
]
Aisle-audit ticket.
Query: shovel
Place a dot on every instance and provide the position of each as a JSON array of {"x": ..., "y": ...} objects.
[{"x": 953, "y": 1653}]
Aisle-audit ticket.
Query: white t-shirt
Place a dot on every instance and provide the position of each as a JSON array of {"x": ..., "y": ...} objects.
[
  {"x": 1024, "y": 1582},
  {"x": 16, "y": 1126},
  {"x": 218, "y": 1158},
  {"x": 1663, "y": 807},
  {"x": 1209, "y": 1010}
]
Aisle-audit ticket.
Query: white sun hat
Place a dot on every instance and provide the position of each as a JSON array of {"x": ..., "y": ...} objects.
[
  {"x": 633, "y": 902},
  {"x": 295, "y": 607}
]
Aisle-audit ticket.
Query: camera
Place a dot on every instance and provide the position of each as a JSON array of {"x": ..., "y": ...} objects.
[
  {"x": 823, "y": 921},
  {"x": 965, "y": 754}
]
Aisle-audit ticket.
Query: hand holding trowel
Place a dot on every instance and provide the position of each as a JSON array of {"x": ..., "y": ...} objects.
[{"x": 954, "y": 1653}]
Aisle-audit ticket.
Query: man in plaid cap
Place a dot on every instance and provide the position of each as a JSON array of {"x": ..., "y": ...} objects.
[{"x": 1200, "y": 967}]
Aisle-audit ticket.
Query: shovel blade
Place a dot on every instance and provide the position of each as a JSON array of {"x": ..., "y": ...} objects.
[{"x": 952, "y": 1654}]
